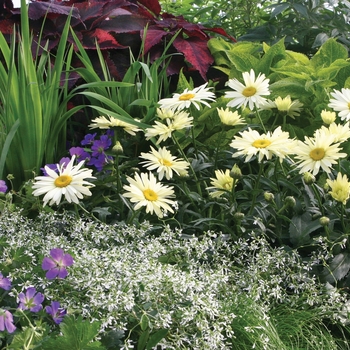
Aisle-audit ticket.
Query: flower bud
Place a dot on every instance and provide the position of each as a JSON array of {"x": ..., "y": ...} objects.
[
  {"x": 290, "y": 201},
  {"x": 235, "y": 172},
  {"x": 118, "y": 148},
  {"x": 308, "y": 178},
  {"x": 269, "y": 197},
  {"x": 238, "y": 216},
  {"x": 324, "y": 221},
  {"x": 328, "y": 117}
]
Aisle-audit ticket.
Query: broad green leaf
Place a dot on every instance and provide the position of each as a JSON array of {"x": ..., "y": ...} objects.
[
  {"x": 338, "y": 267},
  {"x": 300, "y": 228},
  {"x": 155, "y": 338},
  {"x": 242, "y": 61}
]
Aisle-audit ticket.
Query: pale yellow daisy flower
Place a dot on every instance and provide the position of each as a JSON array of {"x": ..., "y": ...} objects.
[
  {"x": 340, "y": 188},
  {"x": 223, "y": 183},
  {"x": 340, "y": 132},
  {"x": 251, "y": 92},
  {"x": 102, "y": 122},
  {"x": 196, "y": 97},
  {"x": 328, "y": 117},
  {"x": 178, "y": 121},
  {"x": 341, "y": 103},
  {"x": 230, "y": 118},
  {"x": 318, "y": 152},
  {"x": 251, "y": 143},
  {"x": 145, "y": 191},
  {"x": 164, "y": 162},
  {"x": 68, "y": 182},
  {"x": 285, "y": 105}
]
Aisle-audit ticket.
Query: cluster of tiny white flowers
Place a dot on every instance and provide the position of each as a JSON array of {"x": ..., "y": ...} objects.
[{"x": 183, "y": 283}]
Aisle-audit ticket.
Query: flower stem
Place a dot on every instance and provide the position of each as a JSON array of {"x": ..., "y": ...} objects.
[{"x": 255, "y": 193}]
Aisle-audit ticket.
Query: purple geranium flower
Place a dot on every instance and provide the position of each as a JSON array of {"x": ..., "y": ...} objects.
[
  {"x": 56, "y": 264},
  {"x": 6, "y": 321},
  {"x": 99, "y": 146},
  {"x": 5, "y": 283},
  {"x": 31, "y": 300},
  {"x": 3, "y": 187},
  {"x": 57, "y": 313},
  {"x": 80, "y": 153},
  {"x": 63, "y": 162},
  {"x": 88, "y": 139}
]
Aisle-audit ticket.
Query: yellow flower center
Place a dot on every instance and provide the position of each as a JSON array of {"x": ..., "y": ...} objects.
[
  {"x": 249, "y": 91},
  {"x": 186, "y": 97},
  {"x": 317, "y": 153},
  {"x": 63, "y": 181},
  {"x": 263, "y": 143},
  {"x": 349, "y": 105},
  {"x": 150, "y": 195},
  {"x": 166, "y": 162}
]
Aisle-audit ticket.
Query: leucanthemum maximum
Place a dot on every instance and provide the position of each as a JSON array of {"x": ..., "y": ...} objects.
[
  {"x": 177, "y": 121},
  {"x": 164, "y": 162},
  {"x": 102, "y": 122},
  {"x": 230, "y": 118},
  {"x": 196, "y": 96},
  {"x": 223, "y": 183},
  {"x": 318, "y": 152},
  {"x": 250, "y": 93},
  {"x": 341, "y": 103},
  {"x": 68, "y": 182},
  {"x": 251, "y": 143},
  {"x": 145, "y": 191},
  {"x": 340, "y": 132},
  {"x": 340, "y": 188},
  {"x": 284, "y": 105}
]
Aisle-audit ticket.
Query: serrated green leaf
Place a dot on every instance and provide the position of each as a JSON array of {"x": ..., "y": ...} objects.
[
  {"x": 338, "y": 268},
  {"x": 289, "y": 86},
  {"x": 242, "y": 61}
]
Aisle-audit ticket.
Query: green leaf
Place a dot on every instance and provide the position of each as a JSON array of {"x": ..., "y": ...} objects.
[
  {"x": 77, "y": 334},
  {"x": 155, "y": 338},
  {"x": 141, "y": 344},
  {"x": 328, "y": 53},
  {"x": 338, "y": 268},
  {"x": 301, "y": 227}
]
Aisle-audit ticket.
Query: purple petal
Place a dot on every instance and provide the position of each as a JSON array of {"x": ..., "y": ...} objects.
[
  {"x": 2, "y": 323},
  {"x": 51, "y": 274},
  {"x": 62, "y": 273},
  {"x": 39, "y": 298},
  {"x": 48, "y": 264},
  {"x": 67, "y": 260},
  {"x": 36, "y": 308},
  {"x": 57, "y": 254},
  {"x": 9, "y": 322},
  {"x": 5, "y": 283},
  {"x": 30, "y": 292}
]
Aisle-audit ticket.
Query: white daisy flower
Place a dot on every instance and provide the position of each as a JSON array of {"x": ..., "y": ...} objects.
[
  {"x": 223, "y": 183},
  {"x": 341, "y": 103},
  {"x": 250, "y": 92},
  {"x": 164, "y": 162},
  {"x": 145, "y": 191},
  {"x": 70, "y": 182},
  {"x": 318, "y": 152},
  {"x": 230, "y": 118},
  {"x": 251, "y": 143},
  {"x": 102, "y": 122},
  {"x": 187, "y": 98}
]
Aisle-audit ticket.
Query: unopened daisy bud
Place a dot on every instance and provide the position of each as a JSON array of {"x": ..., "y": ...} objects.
[
  {"x": 290, "y": 201},
  {"x": 308, "y": 178},
  {"x": 235, "y": 172},
  {"x": 269, "y": 197},
  {"x": 118, "y": 148},
  {"x": 328, "y": 117},
  {"x": 324, "y": 221},
  {"x": 238, "y": 216}
]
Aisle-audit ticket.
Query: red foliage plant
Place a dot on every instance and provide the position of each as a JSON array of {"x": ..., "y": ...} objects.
[{"x": 118, "y": 26}]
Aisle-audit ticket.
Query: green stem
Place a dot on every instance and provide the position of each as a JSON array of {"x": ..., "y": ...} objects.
[
  {"x": 255, "y": 191},
  {"x": 317, "y": 194},
  {"x": 192, "y": 170},
  {"x": 261, "y": 122}
]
